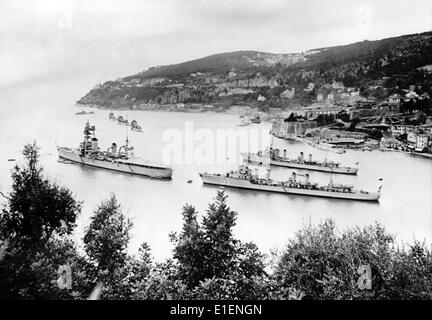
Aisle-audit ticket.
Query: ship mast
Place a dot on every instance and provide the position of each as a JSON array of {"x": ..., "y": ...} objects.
[
  {"x": 331, "y": 177},
  {"x": 127, "y": 141}
]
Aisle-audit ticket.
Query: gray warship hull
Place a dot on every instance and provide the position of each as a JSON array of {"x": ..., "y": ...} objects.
[
  {"x": 256, "y": 159},
  {"x": 221, "y": 180},
  {"x": 131, "y": 166}
]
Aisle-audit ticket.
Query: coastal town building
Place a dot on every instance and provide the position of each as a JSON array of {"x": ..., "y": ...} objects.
[
  {"x": 339, "y": 137},
  {"x": 288, "y": 93},
  {"x": 309, "y": 87},
  {"x": 419, "y": 141},
  {"x": 315, "y": 110},
  {"x": 397, "y": 130},
  {"x": 424, "y": 96},
  {"x": 261, "y": 98},
  {"x": 411, "y": 96},
  {"x": 386, "y": 107},
  {"x": 338, "y": 85},
  {"x": 395, "y": 99},
  {"x": 422, "y": 141},
  {"x": 290, "y": 130},
  {"x": 388, "y": 140}
]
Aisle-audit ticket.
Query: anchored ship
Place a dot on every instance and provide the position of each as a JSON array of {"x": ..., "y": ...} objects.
[
  {"x": 120, "y": 159},
  {"x": 244, "y": 121},
  {"x": 256, "y": 119},
  {"x": 135, "y": 126},
  {"x": 82, "y": 112},
  {"x": 112, "y": 116},
  {"x": 121, "y": 120},
  {"x": 273, "y": 157},
  {"x": 245, "y": 179}
]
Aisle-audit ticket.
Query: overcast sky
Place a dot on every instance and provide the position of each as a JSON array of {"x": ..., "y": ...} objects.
[{"x": 111, "y": 38}]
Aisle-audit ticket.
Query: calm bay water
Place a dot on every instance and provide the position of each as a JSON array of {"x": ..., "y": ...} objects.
[{"x": 46, "y": 113}]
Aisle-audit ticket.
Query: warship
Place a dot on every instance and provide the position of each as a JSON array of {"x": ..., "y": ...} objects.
[
  {"x": 244, "y": 121},
  {"x": 121, "y": 120},
  {"x": 273, "y": 157},
  {"x": 245, "y": 179},
  {"x": 112, "y": 116},
  {"x": 135, "y": 126},
  {"x": 82, "y": 112},
  {"x": 117, "y": 159}
]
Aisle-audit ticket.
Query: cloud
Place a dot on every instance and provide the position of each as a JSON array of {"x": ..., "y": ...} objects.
[{"x": 110, "y": 38}]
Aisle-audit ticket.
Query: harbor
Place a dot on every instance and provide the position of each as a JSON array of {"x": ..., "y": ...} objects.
[
  {"x": 267, "y": 218},
  {"x": 244, "y": 178},
  {"x": 117, "y": 159},
  {"x": 273, "y": 157}
]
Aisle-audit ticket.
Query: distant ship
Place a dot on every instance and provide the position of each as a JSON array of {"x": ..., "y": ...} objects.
[
  {"x": 120, "y": 159},
  {"x": 245, "y": 179},
  {"x": 122, "y": 120},
  {"x": 112, "y": 116},
  {"x": 273, "y": 157},
  {"x": 244, "y": 121},
  {"x": 256, "y": 119},
  {"x": 135, "y": 126},
  {"x": 82, "y": 112}
]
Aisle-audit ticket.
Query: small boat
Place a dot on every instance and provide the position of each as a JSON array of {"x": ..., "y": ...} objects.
[
  {"x": 82, "y": 112},
  {"x": 135, "y": 126},
  {"x": 112, "y": 116},
  {"x": 256, "y": 119},
  {"x": 64, "y": 161},
  {"x": 244, "y": 121},
  {"x": 122, "y": 120},
  {"x": 11, "y": 160}
]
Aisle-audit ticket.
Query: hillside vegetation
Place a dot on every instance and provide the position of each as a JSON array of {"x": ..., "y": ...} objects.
[
  {"x": 374, "y": 69},
  {"x": 41, "y": 259}
]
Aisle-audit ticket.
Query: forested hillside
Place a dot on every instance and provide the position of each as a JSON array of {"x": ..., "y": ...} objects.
[{"x": 374, "y": 69}]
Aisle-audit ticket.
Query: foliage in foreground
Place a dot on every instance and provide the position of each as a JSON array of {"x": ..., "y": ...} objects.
[{"x": 208, "y": 262}]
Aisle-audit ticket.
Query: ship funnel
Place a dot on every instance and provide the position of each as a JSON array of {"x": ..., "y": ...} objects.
[
  {"x": 307, "y": 178},
  {"x": 255, "y": 173},
  {"x": 114, "y": 148},
  {"x": 87, "y": 127},
  {"x": 301, "y": 156},
  {"x": 277, "y": 153},
  {"x": 94, "y": 144},
  {"x": 310, "y": 157},
  {"x": 284, "y": 154},
  {"x": 268, "y": 174},
  {"x": 293, "y": 177}
]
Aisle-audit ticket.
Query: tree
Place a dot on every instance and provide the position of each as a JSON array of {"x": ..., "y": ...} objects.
[
  {"x": 35, "y": 224},
  {"x": 189, "y": 247},
  {"x": 344, "y": 116},
  {"x": 325, "y": 119},
  {"x": 321, "y": 263},
  {"x": 353, "y": 124},
  {"x": 291, "y": 118},
  {"x": 211, "y": 262},
  {"x": 107, "y": 236},
  {"x": 105, "y": 243},
  {"x": 37, "y": 208},
  {"x": 220, "y": 245}
]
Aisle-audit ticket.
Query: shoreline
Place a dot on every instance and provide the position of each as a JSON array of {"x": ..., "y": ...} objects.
[
  {"x": 233, "y": 110},
  {"x": 416, "y": 154}
]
